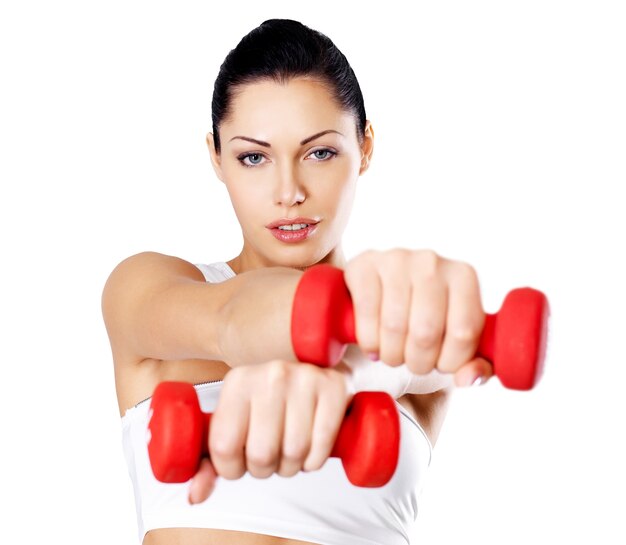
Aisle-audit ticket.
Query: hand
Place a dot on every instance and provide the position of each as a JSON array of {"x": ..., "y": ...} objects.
[
  {"x": 276, "y": 417},
  {"x": 418, "y": 308}
]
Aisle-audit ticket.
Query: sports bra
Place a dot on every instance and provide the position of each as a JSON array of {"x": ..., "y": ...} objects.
[{"x": 320, "y": 506}]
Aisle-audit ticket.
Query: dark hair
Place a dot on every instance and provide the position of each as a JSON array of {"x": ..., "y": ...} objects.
[{"x": 281, "y": 49}]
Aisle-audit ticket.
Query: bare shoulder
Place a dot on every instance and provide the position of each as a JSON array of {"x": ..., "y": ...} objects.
[
  {"x": 428, "y": 409},
  {"x": 143, "y": 270},
  {"x": 134, "y": 281}
]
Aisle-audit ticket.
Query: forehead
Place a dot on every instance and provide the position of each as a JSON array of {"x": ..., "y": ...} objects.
[{"x": 267, "y": 107}]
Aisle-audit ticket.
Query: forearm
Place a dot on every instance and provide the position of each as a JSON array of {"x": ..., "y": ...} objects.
[
  {"x": 255, "y": 322},
  {"x": 160, "y": 307}
]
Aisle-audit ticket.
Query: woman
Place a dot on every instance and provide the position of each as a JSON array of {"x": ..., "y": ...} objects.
[{"x": 290, "y": 139}]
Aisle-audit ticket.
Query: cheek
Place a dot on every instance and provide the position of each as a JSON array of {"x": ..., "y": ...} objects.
[
  {"x": 244, "y": 201},
  {"x": 245, "y": 194},
  {"x": 341, "y": 187}
]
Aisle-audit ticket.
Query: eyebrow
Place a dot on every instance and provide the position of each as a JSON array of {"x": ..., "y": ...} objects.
[{"x": 268, "y": 145}]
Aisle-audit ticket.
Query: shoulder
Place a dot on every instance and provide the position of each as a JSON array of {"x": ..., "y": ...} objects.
[
  {"x": 130, "y": 290},
  {"x": 149, "y": 265},
  {"x": 140, "y": 274}
]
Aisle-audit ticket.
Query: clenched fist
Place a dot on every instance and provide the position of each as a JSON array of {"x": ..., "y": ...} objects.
[
  {"x": 418, "y": 308},
  {"x": 275, "y": 417}
]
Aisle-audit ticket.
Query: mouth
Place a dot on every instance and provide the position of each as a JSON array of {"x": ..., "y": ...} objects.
[
  {"x": 293, "y": 232},
  {"x": 292, "y": 224}
]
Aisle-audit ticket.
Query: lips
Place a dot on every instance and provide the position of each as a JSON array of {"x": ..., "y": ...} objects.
[{"x": 291, "y": 221}]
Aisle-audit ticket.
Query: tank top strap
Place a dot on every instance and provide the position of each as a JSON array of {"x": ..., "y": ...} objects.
[{"x": 216, "y": 272}]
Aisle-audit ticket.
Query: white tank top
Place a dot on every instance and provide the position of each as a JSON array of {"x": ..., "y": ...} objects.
[{"x": 320, "y": 507}]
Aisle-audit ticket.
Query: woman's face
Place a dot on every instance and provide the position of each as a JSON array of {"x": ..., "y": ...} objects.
[{"x": 286, "y": 173}]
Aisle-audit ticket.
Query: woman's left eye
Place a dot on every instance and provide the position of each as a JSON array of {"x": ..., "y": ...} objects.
[{"x": 332, "y": 153}]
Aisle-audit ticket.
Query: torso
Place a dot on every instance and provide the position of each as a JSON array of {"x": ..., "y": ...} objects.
[
  {"x": 205, "y": 536},
  {"x": 136, "y": 383}
]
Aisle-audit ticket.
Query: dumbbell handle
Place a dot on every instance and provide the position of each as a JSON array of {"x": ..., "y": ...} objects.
[
  {"x": 513, "y": 339},
  {"x": 368, "y": 441}
]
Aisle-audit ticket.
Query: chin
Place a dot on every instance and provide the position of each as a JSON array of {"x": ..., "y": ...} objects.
[{"x": 301, "y": 262}]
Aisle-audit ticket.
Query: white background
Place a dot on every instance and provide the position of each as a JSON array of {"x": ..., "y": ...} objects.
[{"x": 500, "y": 140}]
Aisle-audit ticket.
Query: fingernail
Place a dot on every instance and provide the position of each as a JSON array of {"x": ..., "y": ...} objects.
[
  {"x": 373, "y": 356},
  {"x": 478, "y": 381}
]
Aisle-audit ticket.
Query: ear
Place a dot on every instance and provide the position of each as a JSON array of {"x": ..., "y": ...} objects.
[
  {"x": 216, "y": 159},
  {"x": 367, "y": 149}
]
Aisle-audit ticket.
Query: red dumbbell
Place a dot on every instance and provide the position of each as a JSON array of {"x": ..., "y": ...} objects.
[
  {"x": 513, "y": 340},
  {"x": 368, "y": 442}
]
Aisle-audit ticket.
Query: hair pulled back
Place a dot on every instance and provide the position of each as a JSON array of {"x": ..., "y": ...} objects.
[{"x": 279, "y": 50}]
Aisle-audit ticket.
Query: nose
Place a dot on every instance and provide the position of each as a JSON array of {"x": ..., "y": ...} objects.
[{"x": 289, "y": 190}]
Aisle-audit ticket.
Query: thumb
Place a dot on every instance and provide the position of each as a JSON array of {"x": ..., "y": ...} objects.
[
  {"x": 203, "y": 482},
  {"x": 474, "y": 372}
]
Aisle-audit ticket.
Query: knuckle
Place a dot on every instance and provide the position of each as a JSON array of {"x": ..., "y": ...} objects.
[
  {"x": 464, "y": 334},
  {"x": 286, "y": 470},
  {"x": 231, "y": 473},
  {"x": 296, "y": 450},
  {"x": 394, "y": 359},
  {"x": 394, "y": 328},
  {"x": 313, "y": 464},
  {"x": 277, "y": 372},
  {"x": 425, "y": 336},
  {"x": 428, "y": 256},
  {"x": 369, "y": 255},
  {"x": 428, "y": 262},
  {"x": 235, "y": 376},
  {"x": 356, "y": 265},
  {"x": 223, "y": 449},
  {"x": 398, "y": 254},
  {"x": 419, "y": 365},
  {"x": 306, "y": 373},
  {"x": 391, "y": 261},
  {"x": 394, "y": 325},
  {"x": 261, "y": 457},
  {"x": 466, "y": 271}
]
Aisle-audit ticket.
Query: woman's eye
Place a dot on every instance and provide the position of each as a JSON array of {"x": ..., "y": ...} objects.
[
  {"x": 323, "y": 151},
  {"x": 254, "y": 159}
]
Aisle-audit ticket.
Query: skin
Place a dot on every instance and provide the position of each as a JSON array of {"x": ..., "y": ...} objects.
[
  {"x": 291, "y": 180},
  {"x": 411, "y": 306}
]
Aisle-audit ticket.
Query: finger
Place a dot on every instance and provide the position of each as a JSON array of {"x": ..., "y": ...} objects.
[
  {"x": 474, "y": 373},
  {"x": 394, "y": 316},
  {"x": 427, "y": 324},
  {"x": 203, "y": 482},
  {"x": 267, "y": 415},
  {"x": 329, "y": 414},
  {"x": 365, "y": 290},
  {"x": 228, "y": 431},
  {"x": 299, "y": 417},
  {"x": 465, "y": 319}
]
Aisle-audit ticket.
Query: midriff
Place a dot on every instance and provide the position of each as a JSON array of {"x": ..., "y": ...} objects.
[{"x": 205, "y": 536}]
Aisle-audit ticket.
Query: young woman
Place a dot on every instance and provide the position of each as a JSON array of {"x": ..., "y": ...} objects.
[{"x": 290, "y": 140}]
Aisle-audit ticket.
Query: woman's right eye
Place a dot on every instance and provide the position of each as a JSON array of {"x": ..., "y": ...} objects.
[{"x": 254, "y": 157}]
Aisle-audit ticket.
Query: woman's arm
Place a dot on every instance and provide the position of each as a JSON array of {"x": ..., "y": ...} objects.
[{"x": 160, "y": 307}]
